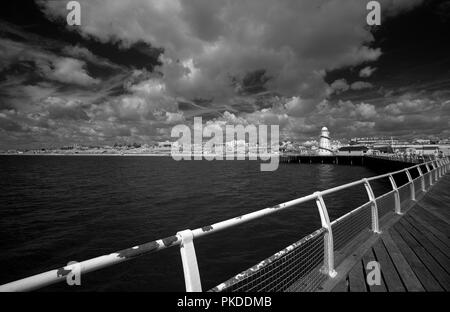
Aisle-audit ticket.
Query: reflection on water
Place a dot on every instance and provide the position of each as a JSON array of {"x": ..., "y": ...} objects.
[{"x": 325, "y": 175}]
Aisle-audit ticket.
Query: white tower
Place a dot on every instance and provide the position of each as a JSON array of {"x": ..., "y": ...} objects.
[{"x": 325, "y": 143}]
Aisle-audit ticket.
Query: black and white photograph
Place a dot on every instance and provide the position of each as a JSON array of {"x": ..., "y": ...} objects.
[{"x": 251, "y": 147}]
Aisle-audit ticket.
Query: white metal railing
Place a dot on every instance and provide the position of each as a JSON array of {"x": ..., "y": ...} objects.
[{"x": 185, "y": 239}]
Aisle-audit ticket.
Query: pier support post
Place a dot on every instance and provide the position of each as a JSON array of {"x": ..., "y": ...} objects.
[
  {"x": 411, "y": 185},
  {"x": 328, "y": 238},
  {"x": 397, "y": 207},
  {"x": 422, "y": 179},
  {"x": 189, "y": 259},
  {"x": 374, "y": 208}
]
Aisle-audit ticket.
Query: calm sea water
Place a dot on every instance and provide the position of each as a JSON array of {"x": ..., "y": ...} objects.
[{"x": 59, "y": 209}]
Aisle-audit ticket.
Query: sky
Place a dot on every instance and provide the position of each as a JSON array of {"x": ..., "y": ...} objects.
[{"x": 134, "y": 69}]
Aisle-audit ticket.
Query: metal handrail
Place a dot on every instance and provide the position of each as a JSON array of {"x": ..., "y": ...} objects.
[{"x": 185, "y": 238}]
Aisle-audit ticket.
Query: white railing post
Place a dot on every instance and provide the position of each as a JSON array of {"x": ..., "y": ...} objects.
[
  {"x": 422, "y": 179},
  {"x": 328, "y": 237},
  {"x": 438, "y": 169},
  {"x": 434, "y": 170},
  {"x": 411, "y": 185},
  {"x": 397, "y": 207},
  {"x": 189, "y": 259},
  {"x": 374, "y": 208},
  {"x": 430, "y": 174},
  {"x": 441, "y": 168}
]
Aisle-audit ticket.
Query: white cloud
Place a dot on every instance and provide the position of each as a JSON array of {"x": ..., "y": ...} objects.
[
  {"x": 206, "y": 43},
  {"x": 70, "y": 70},
  {"x": 366, "y": 72},
  {"x": 360, "y": 85},
  {"x": 216, "y": 39},
  {"x": 366, "y": 111},
  {"x": 340, "y": 85}
]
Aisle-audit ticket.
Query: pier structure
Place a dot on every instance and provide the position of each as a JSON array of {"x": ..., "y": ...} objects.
[
  {"x": 405, "y": 230},
  {"x": 388, "y": 162}
]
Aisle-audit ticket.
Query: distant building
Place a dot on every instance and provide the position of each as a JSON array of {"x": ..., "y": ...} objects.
[
  {"x": 325, "y": 143},
  {"x": 353, "y": 150}
]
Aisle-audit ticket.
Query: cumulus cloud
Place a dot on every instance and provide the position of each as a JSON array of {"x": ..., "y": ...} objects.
[
  {"x": 366, "y": 72},
  {"x": 340, "y": 85},
  {"x": 256, "y": 61},
  {"x": 366, "y": 111},
  {"x": 205, "y": 44},
  {"x": 69, "y": 70},
  {"x": 360, "y": 85}
]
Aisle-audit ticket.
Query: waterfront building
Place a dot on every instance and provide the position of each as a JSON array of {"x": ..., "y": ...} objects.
[{"x": 353, "y": 150}]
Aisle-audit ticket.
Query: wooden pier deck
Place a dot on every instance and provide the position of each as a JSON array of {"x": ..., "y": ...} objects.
[{"x": 413, "y": 250}]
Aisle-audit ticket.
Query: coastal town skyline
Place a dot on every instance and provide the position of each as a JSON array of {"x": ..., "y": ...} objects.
[{"x": 127, "y": 77}]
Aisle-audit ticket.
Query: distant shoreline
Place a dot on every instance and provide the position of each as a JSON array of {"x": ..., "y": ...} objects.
[
  {"x": 134, "y": 155},
  {"x": 81, "y": 154}
]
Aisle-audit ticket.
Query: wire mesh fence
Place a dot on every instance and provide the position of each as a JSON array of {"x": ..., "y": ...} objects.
[
  {"x": 386, "y": 203},
  {"x": 426, "y": 177},
  {"x": 295, "y": 268},
  {"x": 351, "y": 225},
  {"x": 417, "y": 186}
]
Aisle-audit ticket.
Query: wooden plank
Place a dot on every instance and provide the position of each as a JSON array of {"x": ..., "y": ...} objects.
[
  {"x": 428, "y": 245},
  {"x": 429, "y": 235},
  {"x": 356, "y": 278},
  {"x": 419, "y": 220},
  {"x": 367, "y": 258},
  {"x": 347, "y": 263},
  {"x": 342, "y": 286},
  {"x": 438, "y": 272},
  {"x": 406, "y": 273},
  {"x": 420, "y": 270},
  {"x": 393, "y": 281},
  {"x": 437, "y": 223},
  {"x": 433, "y": 203}
]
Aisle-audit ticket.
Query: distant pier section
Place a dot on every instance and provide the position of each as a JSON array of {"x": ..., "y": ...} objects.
[
  {"x": 360, "y": 155},
  {"x": 388, "y": 162}
]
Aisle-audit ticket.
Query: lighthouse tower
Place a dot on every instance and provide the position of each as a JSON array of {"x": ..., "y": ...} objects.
[{"x": 325, "y": 143}]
